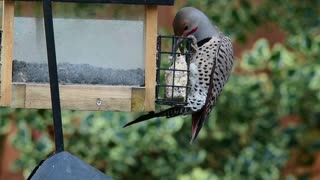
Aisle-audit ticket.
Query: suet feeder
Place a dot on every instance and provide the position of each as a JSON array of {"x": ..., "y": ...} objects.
[
  {"x": 106, "y": 54},
  {"x": 173, "y": 78}
]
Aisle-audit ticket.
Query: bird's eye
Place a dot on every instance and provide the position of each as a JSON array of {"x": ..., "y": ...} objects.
[{"x": 186, "y": 27}]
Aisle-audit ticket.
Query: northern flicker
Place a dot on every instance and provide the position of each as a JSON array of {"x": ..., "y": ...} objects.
[{"x": 210, "y": 67}]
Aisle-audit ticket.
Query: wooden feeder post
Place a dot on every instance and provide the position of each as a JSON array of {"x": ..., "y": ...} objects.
[
  {"x": 151, "y": 28},
  {"x": 6, "y": 53}
]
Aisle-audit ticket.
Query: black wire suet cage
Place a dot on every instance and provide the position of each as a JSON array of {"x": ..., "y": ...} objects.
[{"x": 172, "y": 76}]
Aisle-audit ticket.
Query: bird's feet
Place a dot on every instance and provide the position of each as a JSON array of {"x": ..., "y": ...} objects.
[{"x": 194, "y": 42}]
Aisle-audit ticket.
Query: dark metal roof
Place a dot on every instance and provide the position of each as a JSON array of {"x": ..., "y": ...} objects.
[{"x": 64, "y": 165}]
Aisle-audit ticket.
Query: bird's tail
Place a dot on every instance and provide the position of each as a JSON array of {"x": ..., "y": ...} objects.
[{"x": 171, "y": 112}]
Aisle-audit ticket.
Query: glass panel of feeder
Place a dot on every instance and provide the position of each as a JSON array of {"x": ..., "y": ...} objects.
[{"x": 95, "y": 43}]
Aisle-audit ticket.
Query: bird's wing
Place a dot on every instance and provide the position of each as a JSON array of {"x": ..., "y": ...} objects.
[{"x": 201, "y": 116}]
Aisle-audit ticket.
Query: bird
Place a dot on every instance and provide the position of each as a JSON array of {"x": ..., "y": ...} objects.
[{"x": 210, "y": 68}]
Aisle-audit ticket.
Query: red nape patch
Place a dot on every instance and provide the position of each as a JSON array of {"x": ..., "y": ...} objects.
[{"x": 192, "y": 31}]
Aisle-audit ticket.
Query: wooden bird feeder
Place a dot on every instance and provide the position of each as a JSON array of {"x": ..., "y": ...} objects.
[{"x": 106, "y": 54}]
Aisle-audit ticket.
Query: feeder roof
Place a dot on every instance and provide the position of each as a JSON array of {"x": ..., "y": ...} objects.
[{"x": 64, "y": 165}]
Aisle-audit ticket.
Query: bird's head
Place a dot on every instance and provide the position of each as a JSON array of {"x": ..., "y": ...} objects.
[{"x": 191, "y": 21}]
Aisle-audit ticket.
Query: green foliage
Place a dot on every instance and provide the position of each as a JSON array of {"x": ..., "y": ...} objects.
[
  {"x": 234, "y": 17},
  {"x": 240, "y": 18},
  {"x": 99, "y": 139},
  {"x": 198, "y": 173},
  {"x": 243, "y": 138},
  {"x": 4, "y": 126}
]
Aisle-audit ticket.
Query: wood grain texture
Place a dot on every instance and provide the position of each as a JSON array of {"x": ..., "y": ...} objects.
[
  {"x": 7, "y": 52},
  {"x": 80, "y": 97},
  {"x": 137, "y": 99},
  {"x": 18, "y": 95},
  {"x": 151, "y": 30}
]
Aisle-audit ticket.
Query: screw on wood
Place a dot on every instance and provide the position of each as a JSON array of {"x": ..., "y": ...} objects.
[{"x": 99, "y": 102}]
